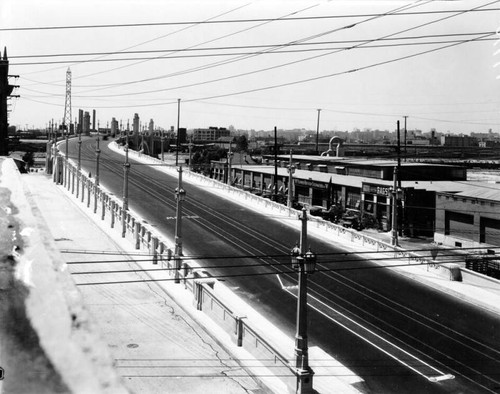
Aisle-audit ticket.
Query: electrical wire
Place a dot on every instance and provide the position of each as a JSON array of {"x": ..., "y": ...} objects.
[
  {"x": 256, "y": 274},
  {"x": 153, "y": 24}
]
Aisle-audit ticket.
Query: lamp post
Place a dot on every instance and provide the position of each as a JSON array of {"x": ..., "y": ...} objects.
[
  {"x": 396, "y": 196},
  {"x": 291, "y": 170},
  {"x": 79, "y": 165},
  {"x": 305, "y": 264},
  {"x": 190, "y": 146},
  {"x": 229, "y": 165},
  {"x": 162, "y": 140},
  {"x": 126, "y": 169},
  {"x": 180, "y": 196},
  {"x": 317, "y": 132},
  {"x": 66, "y": 167},
  {"x": 98, "y": 155}
]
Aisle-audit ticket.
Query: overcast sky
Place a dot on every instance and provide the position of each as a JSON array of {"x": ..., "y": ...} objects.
[{"x": 258, "y": 64}]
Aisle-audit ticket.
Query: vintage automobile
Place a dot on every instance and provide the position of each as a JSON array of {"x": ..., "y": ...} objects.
[{"x": 352, "y": 219}]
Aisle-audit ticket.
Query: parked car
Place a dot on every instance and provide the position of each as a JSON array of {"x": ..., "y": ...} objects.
[
  {"x": 333, "y": 214},
  {"x": 316, "y": 210},
  {"x": 352, "y": 219}
]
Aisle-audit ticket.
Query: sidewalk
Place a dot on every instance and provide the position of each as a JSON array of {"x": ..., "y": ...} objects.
[{"x": 157, "y": 347}]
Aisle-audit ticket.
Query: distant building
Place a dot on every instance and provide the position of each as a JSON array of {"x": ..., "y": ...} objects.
[
  {"x": 151, "y": 126},
  {"x": 135, "y": 128},
  {"x": 210, "y": 134},
  {"x": 80, "y": 121},
  {"x": 114, "y": 127},
  {"x": 458, "y": 140},
  {"x": 86, "y": 123}
]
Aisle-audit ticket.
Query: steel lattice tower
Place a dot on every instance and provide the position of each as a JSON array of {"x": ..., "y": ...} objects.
[{"x": 67, "y": 103}]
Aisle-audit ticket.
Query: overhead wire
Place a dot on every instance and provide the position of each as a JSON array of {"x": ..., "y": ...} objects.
[
  {"x": 245, "y": 57},
  {"x": 318, "y": 77},
  {"x": 242, "y": 54},
  {"x": 153, "y": 24}
]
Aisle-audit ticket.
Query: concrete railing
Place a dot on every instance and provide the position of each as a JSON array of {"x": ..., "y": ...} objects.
[
  {"x": 341, "y": 233},
  {"x": 243, "y": 332}
]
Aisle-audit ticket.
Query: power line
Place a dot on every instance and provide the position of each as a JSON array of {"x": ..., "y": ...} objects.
[
  {"x": 254, "y": 274},
  {"x": 243, "y": 46},
  {"x": 231, "y": 54},
  {"x": 207, "y": 22},
  {"x": 239, "y": 58},
  {"x": 306, "y": 59}
]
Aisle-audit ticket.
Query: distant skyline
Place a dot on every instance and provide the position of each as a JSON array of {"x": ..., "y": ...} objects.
[{"x": 258, "y": 64}]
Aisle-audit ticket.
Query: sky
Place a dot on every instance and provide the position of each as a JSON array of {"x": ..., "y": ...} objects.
[{"x": 257, "y": 64}]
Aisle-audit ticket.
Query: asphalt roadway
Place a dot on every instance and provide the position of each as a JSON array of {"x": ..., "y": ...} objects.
[{"x": 398, "y": 335}]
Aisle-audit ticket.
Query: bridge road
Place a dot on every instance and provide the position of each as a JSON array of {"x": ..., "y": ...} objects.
[{"x": 398, "y": 335}]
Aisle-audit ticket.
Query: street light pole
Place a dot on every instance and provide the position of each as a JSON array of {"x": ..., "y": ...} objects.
[
  {"x": 317, "y": 132},
  {"x": 162, "y": 139},
  {"x": 98, "y": 154},
  {"x": 229, "y": 165},
  {"x": 79, "y": 165},
  {"x": 291, "y": 170},
  {"x": 178, "y": 125},
  {"x": 180, "y": 195},
  {"x": 305, "y": 263},
  {"x": 126, "y": 169},
  {"x": 66, "y": 167},
  {"x": 395, "y": 196}
]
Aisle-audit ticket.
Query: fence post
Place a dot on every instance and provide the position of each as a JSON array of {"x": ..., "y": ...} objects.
[
  {"x": 89, "y": 185},
  {"x": 112, "y": 209},
  {"x": 103, "y": 205},
  {"x": 239, "y": 330},
  {"x": 137, "y": 235},
  {"x": 198, "y": 295},
  {"x": 154, "y": 246}
]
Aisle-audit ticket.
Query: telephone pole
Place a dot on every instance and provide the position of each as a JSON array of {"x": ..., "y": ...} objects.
[
  {"x": 406, "y": 117},
  {"x": 317, "y": 132},
  {"x": 5, "y": 93}
]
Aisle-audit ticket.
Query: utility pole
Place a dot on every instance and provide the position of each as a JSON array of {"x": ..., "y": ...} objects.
[
  {"x": 5, "y": 93},
  {"x": 79, "y": 165},
  {"x": 275, "y": 197},
  {"x": 406, "y": 117},
  {"x": 229, "y": 164},
  {"x": 98, "y": 154},
  {"x": 126, "y": 169},
  {"x": 66, "y": 167},
  {"x": 305, "y": 263},
  {"x": 178, "y": 123},
  {"x": 317, "y": 133},
  {"x": 180, "y": 195},
  {"x": 190, "y": 146},
  {"x": 162, "y": 140},
  {"x": 398, "y": 151},
  {"x": 395, "y": 198},
  {"x": 291, "y": 170}
]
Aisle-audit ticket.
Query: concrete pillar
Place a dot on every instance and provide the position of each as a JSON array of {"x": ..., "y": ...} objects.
[
  {"x": 239, "y": 330},
  {"x": 198, "y": 295},
  {"x": 104, "y": 197},
  {"x": 112, "y": 209},
  {"x": 154, "y": 251},
  {"x": 137, "y": 229}
]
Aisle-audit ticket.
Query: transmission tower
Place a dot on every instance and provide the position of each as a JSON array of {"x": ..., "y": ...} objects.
[{"x": 67, "y": 103}]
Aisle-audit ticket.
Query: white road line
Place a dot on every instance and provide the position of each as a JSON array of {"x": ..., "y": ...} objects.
[{"x": 442, "y": 375}]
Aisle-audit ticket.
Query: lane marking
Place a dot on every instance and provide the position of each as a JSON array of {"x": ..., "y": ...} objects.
[{"x": 442, "y": 376}]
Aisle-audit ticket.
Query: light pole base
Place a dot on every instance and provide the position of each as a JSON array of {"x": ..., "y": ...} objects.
[{"x": 305, "y": 381}]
